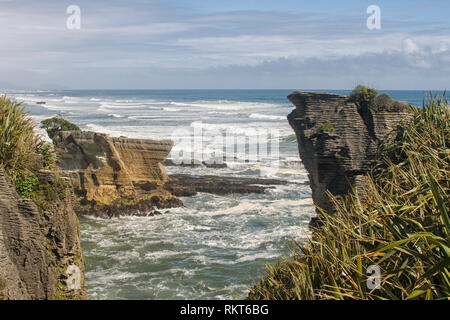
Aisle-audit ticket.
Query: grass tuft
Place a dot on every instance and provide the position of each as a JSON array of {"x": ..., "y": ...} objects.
[{"x": 21, "y": 149}]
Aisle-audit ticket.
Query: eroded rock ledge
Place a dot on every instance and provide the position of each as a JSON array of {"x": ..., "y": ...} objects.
[
  {"x": 115, "y": 176},
  {"x": 189, "y": 185},
  {"x": 338, "y": 140}
]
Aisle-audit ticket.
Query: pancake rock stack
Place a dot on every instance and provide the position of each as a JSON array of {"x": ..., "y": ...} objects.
[
  {"x": 115, "y": 176},
  {"x": 338, "y": 140}
]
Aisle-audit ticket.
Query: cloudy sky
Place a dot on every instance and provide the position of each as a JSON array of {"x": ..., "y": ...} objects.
[{"x": 229, "y": 44}]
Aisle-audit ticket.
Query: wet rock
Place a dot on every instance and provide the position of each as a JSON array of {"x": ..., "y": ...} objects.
[
  {"x": 195, "y": 164},
  {"x": 189, "y": 185}
]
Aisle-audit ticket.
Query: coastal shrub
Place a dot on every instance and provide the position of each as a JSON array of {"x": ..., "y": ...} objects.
[
  {"x": 327, "y": 127},
  {"x": 27, "y": 186},
  {"x": 54, "y": 190},
  {"x": 56, "y": 124},
  {"x": 44, "y": 195},
  {"x": 399, "y": 225},
  {"x": 363, "y": 96},
  {"x": 48, "y": 153}
]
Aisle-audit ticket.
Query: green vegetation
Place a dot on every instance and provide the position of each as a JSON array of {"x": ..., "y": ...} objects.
[
  {"x": 27, "y": 186},
  {"x": 363, "y": 96},
  {"x": 20, "y": 147},
  {"x": 56, "y": 124},
  {"x": 400, "y": 224},
  {"x": 22, "y": 152},
  {"x": 42, "y": 194},
  {"x": 327, "y": 127},
  {"x": 47, "y": 151},
  {"x": 50, "y": 193},
  {"x": 61, "y": 290},
  {"x": 54, "y": 190}
]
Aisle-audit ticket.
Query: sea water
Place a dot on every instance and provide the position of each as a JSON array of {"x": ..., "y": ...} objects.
[{"x": 214, "y": 247}]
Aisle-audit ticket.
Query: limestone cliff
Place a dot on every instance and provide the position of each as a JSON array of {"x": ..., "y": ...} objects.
[
  {"x": 115, "y": 176},
  {"x": 338, "y": 139},
  {"x": 39, "y": 247}
]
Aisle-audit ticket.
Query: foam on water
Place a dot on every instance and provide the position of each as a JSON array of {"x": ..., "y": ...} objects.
[
  {"x": 196, "y": 251},
  {"x": 267, "y": 117}
]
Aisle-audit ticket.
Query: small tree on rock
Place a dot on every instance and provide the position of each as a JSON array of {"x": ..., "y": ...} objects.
[{"x": 57, "y": 124}]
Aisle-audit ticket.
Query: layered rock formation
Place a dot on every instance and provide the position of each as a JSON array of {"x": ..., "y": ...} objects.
[
  {"x": 338, "y": 139},
  {"x": 39, "y": 247},
  {"x": 115, "y": 176}
]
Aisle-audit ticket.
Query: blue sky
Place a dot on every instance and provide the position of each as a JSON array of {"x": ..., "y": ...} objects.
[{"x": 208, "y": 44}]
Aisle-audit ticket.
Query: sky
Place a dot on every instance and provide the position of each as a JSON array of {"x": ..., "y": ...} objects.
[{"x": 227, "y": 44}]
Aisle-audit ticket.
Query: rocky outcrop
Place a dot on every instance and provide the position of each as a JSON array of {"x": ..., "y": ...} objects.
[
  {"x": 39, "y": 247},
  {"x": 115, "y": 176},
  {"x": 194, "y": 164},
  {"x": 338, "y": 139},
  {"x": 189, "y": 185}
]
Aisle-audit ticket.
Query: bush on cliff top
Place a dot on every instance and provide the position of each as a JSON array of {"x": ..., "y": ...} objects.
[
  {"x": 399, "y": 224},
  {"x": 56, "y": 124},
  {"x": 362, "y": 96},
  {"x": 21, "y": 149}
]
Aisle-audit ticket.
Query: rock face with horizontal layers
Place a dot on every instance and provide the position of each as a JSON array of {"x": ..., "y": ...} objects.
[
  {"x": 39, "y": 249},
  {"x": 115, "y": 176},
  {"x": 338, "y": 140}
]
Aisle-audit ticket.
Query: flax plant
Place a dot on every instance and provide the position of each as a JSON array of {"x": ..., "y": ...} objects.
[{"x": 19, "y": 144}]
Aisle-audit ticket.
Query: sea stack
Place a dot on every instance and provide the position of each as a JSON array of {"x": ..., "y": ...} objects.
[
  {"x": 338, "y": 138},
  {"x": 115, "y": 176}
]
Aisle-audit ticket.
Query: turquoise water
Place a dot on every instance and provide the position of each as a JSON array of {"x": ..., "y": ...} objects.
[{"x": 215, "y": 247}]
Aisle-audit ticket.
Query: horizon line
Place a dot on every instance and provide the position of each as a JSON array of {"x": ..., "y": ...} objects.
[{"x": 209, "y": 89}]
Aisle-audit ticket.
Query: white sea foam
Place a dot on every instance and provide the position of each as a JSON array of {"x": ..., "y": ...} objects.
[
  {"x": 222, "y": 112},
  {"x": 224, "y": 105},
  {"x": 266, "y": 117},
  {"x": 162, "y": 254},
  {"x": 115, "y": 115},
  {"x": 262, "y": 255},
  {"x": 171, "y": 109},
  {"x": 242, "y": 207}
]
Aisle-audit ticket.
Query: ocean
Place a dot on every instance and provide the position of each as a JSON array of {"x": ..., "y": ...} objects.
[{"x": 215, "y": 247}]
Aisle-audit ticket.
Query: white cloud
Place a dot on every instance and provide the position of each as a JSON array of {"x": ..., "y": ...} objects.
[{"x": 409, "y": 46}]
